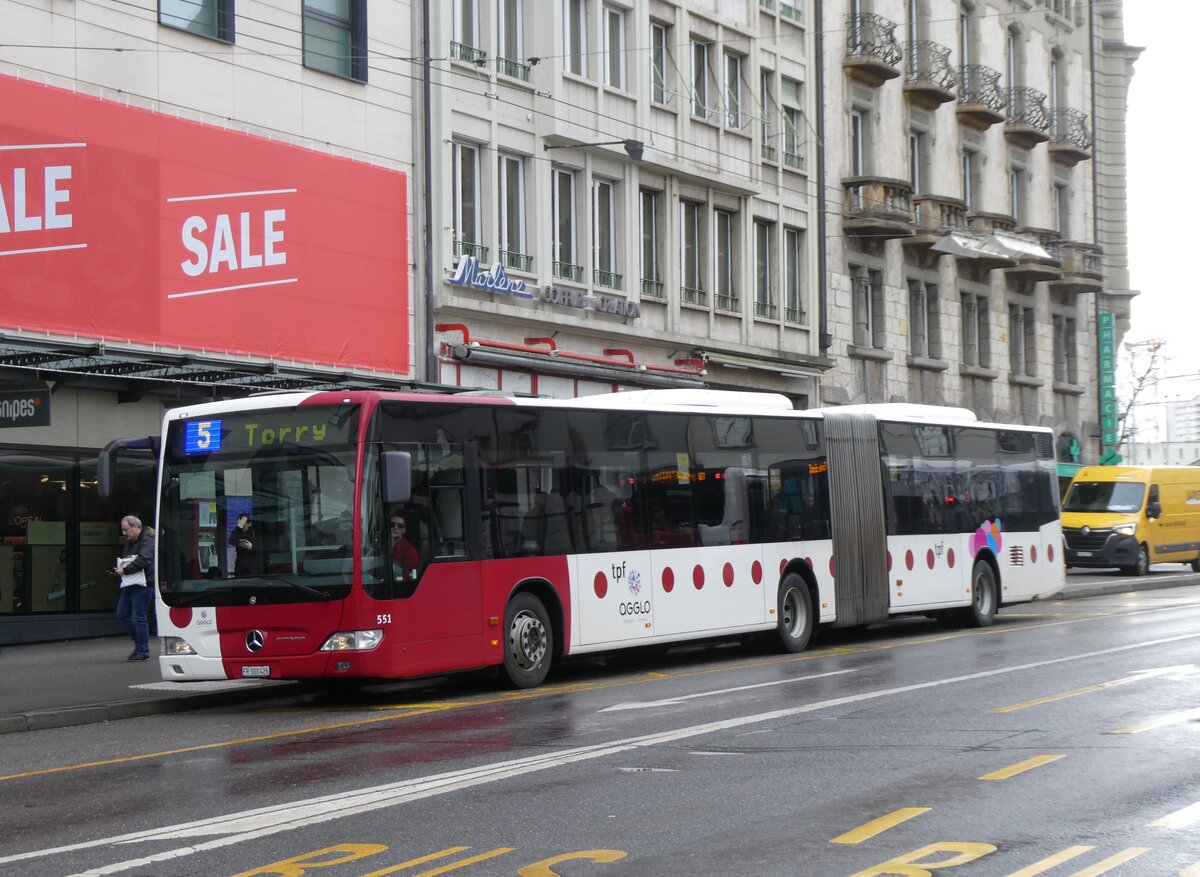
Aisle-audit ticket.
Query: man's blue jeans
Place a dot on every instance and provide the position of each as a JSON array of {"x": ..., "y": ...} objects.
[{"x": 131, "y": 608}]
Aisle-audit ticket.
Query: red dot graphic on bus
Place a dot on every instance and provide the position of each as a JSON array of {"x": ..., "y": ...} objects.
[
  {"x": 1033, "y": 554},
  {"x": 831, "y": 572},
  {"x": 1050, "y": 553},
  {"x": 727, "y": 575},
  {"x": 756, "y": 572},
  {"x": 601, "y": 585},
  {"x": 698, "y": 576},
  {"x": 181, "y": 616},
  {"x": 929, "y": 558},
  {"x": 668, "y": 580},
  {"x": 807, "y": 560},
  {"x": 782, "y": 565},
  {"x": 950, "y": 557},
  {"x": 909, "y": 560},
  {"x": 889, "y": 561}
]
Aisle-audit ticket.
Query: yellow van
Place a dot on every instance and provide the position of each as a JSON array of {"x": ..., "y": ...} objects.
[{"x": 1132, "y": 516}]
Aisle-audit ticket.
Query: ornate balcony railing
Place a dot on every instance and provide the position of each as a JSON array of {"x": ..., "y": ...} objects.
[
  {"x": 516, "y": 261},
  {"x": 727, "y": 302},
  {"x": 467, "y": 248},
  {"x": 692, "y": 296},
  {"x": 872, "y": 51},
  {"x": 515, "y": 69},
  {"x": 980, "y": 99},
  {"x": 653, "y": 289},
  {"x": 878, "y": 207},
  {"x": 1070, "y": 139},
  {"x": 766, "y": 310},
  {"x": 928, "y": 62},
  {"x": 606, "y": 278},
  {"x": 1027, "y": 107},
  {"x": 470, "y": 54},
  {"x": 567, "y": 271},
  {"x": 795, "y": 315},
  {"x": 793, "y": 160},
  {"x": 936, "y": 215},
  {"x": 768, "y": 152}
]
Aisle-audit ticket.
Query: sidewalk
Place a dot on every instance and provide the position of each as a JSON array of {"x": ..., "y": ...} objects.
[{"x": 53, "y": 685}]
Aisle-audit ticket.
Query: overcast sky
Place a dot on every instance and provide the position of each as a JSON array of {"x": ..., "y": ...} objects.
[{"x": 1164, "y": 193}]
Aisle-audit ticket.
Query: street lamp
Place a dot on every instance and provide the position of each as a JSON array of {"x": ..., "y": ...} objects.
[{"x": 633, "y": 148}]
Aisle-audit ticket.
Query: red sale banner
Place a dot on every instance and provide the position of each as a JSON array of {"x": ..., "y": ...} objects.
[{"x": 128, "y": 225}]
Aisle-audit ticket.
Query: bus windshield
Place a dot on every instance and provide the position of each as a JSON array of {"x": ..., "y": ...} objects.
[
  {"x": 1104, "y": 496},
  {"x": 257, "y": 507}
]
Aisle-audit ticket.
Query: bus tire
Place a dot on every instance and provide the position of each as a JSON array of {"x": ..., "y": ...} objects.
[
  {"x": 984, "y": 601},
  {"x": 795, "y": 611},
  {"x": 529, "y": 647}
]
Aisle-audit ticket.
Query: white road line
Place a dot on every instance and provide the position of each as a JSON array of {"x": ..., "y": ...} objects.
[
  {"x": 671, "y": 701},
  {"x": 1180, "y": 818},
  {"x": 234, "y": 828}
]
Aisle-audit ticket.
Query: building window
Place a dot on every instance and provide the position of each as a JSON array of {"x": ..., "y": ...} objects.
[
  {"x": 764, "y": 300},
  {"x": 335, "y": 37},
  {"x": 614, "y": 47},
  {"x": 511, "y": 31},
  {"x": 565, "y": 264},
  {"x": 725, "y": 281},
  {"x": 766, "y": 102},
  {"x": 793, "y": 276},
  {"x": 858, "y": 146},
  {"x": 1062, "y": 211},
  {"x": 976, "y": 335},
  {"x": 1066, "y": 363},
  {"x": 918, "y": 161},
  {"x": 733, "y": 90},
  {"x": 1022, "y": 340},
  {"x": 466, "y": 23},
  {"x": 468, "y": 224},
  {"x": 924, "y": 324},
  {"x": 792, "y": 97},
  {"x": 699, "y": 79},
  {"x": 651, "y": 242},
  {"x": 691, "y": 246},
  {"x": 604, "y": 233},
  {"x": 575, "y": 36},
  {"x": 511, "y": 193},
  {"x": 868, "y": 307},
  {"x": 208, "y": 18},
  {"x": 1017, "y": 194},
  {"x": 966, "y": 33},
  {"x": 659, "y": 54},
  {"x": 971, "y": 187}
]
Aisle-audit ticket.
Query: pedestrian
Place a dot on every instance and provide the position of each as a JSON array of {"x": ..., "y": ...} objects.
[
  {"x": 135, "y": 567},
  {"x": 242, "y": 540}
]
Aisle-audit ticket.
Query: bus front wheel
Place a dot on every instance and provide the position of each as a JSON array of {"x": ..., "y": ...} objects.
[
  {"x": 982, "y": 611},
  {"x": 795, "y": 610},
  {"x": 530, "y": 644}
]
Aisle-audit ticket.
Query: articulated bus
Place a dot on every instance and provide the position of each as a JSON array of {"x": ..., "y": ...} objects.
[{"x": 542, "y": 528}]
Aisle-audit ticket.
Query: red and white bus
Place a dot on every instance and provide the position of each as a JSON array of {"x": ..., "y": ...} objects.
[{"x": 543, "y": 528}]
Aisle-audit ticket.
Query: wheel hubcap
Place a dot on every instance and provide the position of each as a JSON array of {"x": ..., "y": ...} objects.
[
  {"x": 791, "y": 612},
  {"x": 527, "y": 640}
]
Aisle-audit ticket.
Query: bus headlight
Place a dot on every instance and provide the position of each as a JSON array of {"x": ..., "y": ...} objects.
[
  {"x": 353, "y": 641},
  {"x": 174, "y": 645},
  {"x": 1125, "y": 529}
]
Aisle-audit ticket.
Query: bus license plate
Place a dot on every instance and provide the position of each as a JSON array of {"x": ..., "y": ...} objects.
[
  {"x": 256, "y": 672},
  {"x": 1084, "y": 553}
]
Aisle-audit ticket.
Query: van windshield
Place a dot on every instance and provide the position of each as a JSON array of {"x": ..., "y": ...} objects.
[{"x": 1104, "y": 496}]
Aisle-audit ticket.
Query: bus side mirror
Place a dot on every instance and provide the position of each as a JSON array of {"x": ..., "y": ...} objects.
[
  {"x": 106, "y": 463},
  {"x": 397, "y": 476},
  {"x": 1154, "y": 510}
]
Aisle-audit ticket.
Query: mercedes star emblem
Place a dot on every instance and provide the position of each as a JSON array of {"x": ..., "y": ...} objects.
[{"x": 255, "y": 640}]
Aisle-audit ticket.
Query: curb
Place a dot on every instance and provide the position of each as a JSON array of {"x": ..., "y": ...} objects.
[
  {"x": 1071, "y": 592},
  {"x": 131, "y": 709}
]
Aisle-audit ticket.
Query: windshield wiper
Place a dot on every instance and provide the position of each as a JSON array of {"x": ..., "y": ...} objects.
[{"x": 298, "y": 586}]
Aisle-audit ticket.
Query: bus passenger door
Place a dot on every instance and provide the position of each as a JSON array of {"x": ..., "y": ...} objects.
[{"x": 439, "y": 614}]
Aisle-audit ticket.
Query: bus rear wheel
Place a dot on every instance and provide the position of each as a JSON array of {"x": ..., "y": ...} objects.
[
  {"x": 795, "y": 611},
  {"x": 530, "y": 644}
]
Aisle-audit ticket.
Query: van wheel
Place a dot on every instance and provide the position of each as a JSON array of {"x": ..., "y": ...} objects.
[
  {"x": 1141, "y": 565},
  {"x": 982, "y": 611},
  {"x": 530, "y": 644},
  {"x": 1196, "y": 565},
  {"x": 795, "y": 614}
]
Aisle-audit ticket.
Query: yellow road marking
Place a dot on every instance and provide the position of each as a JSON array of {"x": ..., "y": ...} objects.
[
  {"x": 1160, "y": 722},
  {"x": 1020, "y": 767},
  {"x": 1051, "y": 861},
  {"x": 879, "y": 826},
  {"x": 1050, "y": 698},
  {"x": 553, "y": 690},
  {"x": 1180, "y": 818},
  {"x": 1111, "y": 862},
  {"x": 442, "y": 869}
]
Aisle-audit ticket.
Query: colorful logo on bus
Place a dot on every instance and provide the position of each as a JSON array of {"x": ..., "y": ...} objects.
[
  {"x": 635, "y": 582},
  {"x": 987, "y": 536}
]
